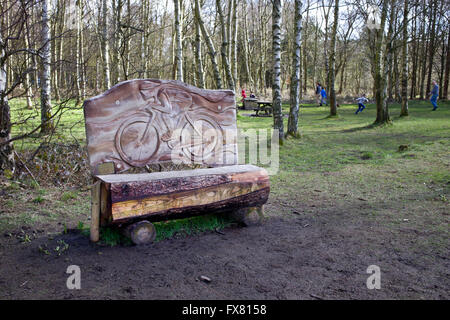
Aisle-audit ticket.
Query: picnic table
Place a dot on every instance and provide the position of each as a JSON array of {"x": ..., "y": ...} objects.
[
  {"x": 258, "y": 106},
  {"x": 264, "y": 106}
]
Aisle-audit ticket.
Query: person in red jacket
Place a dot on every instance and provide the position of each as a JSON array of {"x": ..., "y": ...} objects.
[{"x": 243, "y": 96}]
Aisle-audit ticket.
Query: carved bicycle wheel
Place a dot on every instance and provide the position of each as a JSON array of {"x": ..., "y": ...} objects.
[
  {"x": 137, "y": 139},
  {"x": 200, "y": 137}
]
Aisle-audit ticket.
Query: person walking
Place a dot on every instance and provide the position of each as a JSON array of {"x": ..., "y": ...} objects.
[
  {"x": 434, "y": 95},
  {"x": 323, "y": 94},
  {"x": 361, "y": 100},
  {"x": 318, "y": 90}
]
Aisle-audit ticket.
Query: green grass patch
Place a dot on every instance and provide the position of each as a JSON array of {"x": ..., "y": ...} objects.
[
  {"x": 69, "y": 195},
  {"x": 190, "y": 226},
  {"x": 336, "y": 159}
]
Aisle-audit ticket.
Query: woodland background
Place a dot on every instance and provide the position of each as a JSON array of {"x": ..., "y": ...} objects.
[{"x": 55, "y": 54}]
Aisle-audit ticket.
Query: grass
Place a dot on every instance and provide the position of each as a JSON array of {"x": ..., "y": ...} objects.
[{"x": 338, "y": 160}]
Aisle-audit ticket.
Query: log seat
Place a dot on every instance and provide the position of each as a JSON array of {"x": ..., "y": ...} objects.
[{"x": 179, "y": 194}]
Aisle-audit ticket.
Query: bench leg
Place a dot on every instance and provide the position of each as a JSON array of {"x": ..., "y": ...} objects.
[
  {"x": 249, "y": 216},
  {"x": 95, "y": 211},
  {"x": 141, "y": 232}
]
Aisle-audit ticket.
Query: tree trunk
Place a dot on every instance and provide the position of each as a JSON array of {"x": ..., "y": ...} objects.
[
  {"x": 224, "y": 49},
  {"x": 178, "y": 42},
  {"x": 414, "y": 56},
  {"x": 116, "y": 41},
  {"x": 105, "y": 47},
  {"x": 424, "y": 50},
  {"x": 404, "y": 109},
  {"x": 46, "y": 109},
  {"x": 276, "y": 89},
  {"x": 433, "y": 13},
  {"x": 6, "y": 149},
  {"x": 246, "y": 53},
  {"x": 332, "y": 77},
  {"x": 28, "y": 61},
  {"x": 198, "y": 54},
  {"x": 296, "y": 70},
  {"x": 381, "y": 70},
  {"x": 210, "y": 44},
  {"x": 234, "y": 43},
  {"x": 83, "y": 79},
  {"x": 447, "y": 69},
  {"x": 326, "y": 58},
  {"x": 305, "y": 45},
  {"x": 78, "y": 49}
]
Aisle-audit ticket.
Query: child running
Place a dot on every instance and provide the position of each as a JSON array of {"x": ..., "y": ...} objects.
[
  {"x": 323, "y": 93},
  {"x": 361, "y": 102},
  {"x": 434, "y": 95}
]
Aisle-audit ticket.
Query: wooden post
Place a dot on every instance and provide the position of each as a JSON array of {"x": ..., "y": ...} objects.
[{"x": 95, "y": 211}]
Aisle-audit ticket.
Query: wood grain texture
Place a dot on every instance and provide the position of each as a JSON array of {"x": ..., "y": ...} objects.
[
  {"x": 141, "y": 232},
  {"x": 253, "y": 199},
  {"x": 145, "y": 121},
  {"x": 133, "y": 187},
  {"x": 156, "y": 194}
]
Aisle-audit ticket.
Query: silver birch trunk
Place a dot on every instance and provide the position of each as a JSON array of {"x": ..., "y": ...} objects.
[
  {"x": 276, "y": 85},
  {"x": 404, "y": 109},
  {"x": 381, "y": 69},
  {"x": 77, "y": 51},
  {"x": 46, "y": 109},
  {"x": 105, "y": 47},
  {"x": 246, "y": 53},
  {"x": 296, "y": 71},
  {"x": 234, "y": 43},
  {"x": 116, "y": 42},
  {"x": 28, "y": 90},
  {"x": 81, "y": 50},
  {"x": 178, "y": 43}
]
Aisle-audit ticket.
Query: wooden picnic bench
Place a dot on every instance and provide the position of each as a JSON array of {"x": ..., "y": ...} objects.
[
  {"x": 264, "y": 106},
  {"x": 258, "y": 106},
  {"x": 250, "y": 103},
  {"x": 140, "y": 123}
]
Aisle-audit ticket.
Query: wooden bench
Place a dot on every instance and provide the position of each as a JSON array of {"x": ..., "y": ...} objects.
[{"x": 140, "y": 123}]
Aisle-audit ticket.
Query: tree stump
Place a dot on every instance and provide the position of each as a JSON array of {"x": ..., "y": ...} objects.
[
  {"x": 141, "y": 232},
  {"x": 250, "y": 216}
]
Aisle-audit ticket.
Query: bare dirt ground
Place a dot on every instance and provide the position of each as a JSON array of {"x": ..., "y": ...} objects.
[
  {"x": 318, "y": 251},
  {"x": 345, "y": 197}
]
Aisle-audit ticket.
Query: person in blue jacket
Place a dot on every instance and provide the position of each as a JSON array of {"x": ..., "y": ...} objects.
[
  {"x": 361, "y": 100},
  {"x": 434, "y": 95},
  {"x": 323, "y": 94},
  {"x": 318, "y": 90}
]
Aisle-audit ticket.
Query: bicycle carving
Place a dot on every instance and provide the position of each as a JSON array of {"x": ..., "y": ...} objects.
[{"x": 164, "y": 130}]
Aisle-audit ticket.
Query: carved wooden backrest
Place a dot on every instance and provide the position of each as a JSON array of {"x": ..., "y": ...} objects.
[{"x": 142, "y": 122}]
